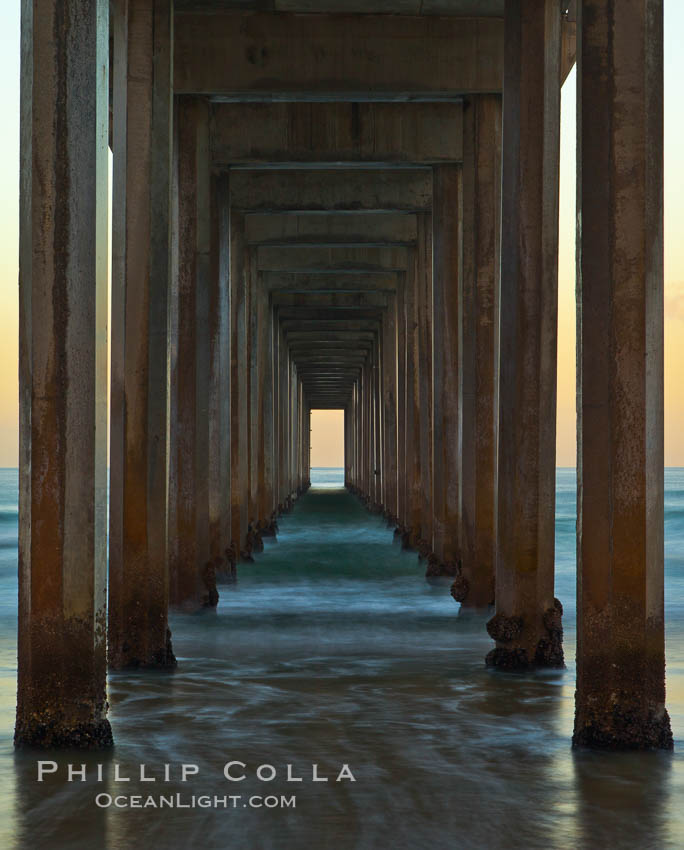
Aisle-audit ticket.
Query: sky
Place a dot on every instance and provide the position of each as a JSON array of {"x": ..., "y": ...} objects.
[{"x": 327, "y": 436}]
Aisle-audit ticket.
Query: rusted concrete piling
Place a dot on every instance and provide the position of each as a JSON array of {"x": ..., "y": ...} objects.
[
  {"x": 620, "y": 694},
  {"x": 141, "y": 274},
  {"x": 526, "y": 627},
  {"x": 61, "y": 699}
]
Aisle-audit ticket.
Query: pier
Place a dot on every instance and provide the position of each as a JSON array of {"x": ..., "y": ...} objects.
[{"x": 348, "y": 206}]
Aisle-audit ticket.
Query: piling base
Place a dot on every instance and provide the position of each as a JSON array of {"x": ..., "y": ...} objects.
[
  {"x": 211, "y": 595},
  {"x": 436, "y": 568},
  {"x": 47, "y": 732},
  {"x": 127, "y": 659},
  {"x": 515, "y": 636},
  {"x": 623, "y": 726}
]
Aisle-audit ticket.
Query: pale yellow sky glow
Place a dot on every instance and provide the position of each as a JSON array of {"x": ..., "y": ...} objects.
[
  {"x": 327, "y": 441},
  {"x": 327, "y": 438}
]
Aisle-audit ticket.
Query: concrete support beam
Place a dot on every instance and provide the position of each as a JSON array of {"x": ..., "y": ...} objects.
[
  {"x": 193, "y": 582},
  {"x": 356, "y": 425},
  {"x": 293, "y": 403},
  {"x": 391, "y": 133},
  {"x": 253, "y": 412},
  {"x": 620, "y": 697},
  {"x": 446, "y": 331},
  {"x": 333, "y": 300},
  {"x": 423, "y": 280},
  {"x": 63, "y": 376},
  {"x": 325, "y": 368},
  {"x": 402, "y": 478},
  {"x": 329, "y": 282},
  {"x": 301, "y": 317},
  {"x": 267, "y": 504},
  {"x": 373, "y": 471},
  {"x": 414, "y": 501},
  {"x": 297, "y": 259},
  {"x": 219, "y": 377},
  {"x": 366, "y": 431},
  {"x": 354, "y": 338},
  {"x": 348, "y": 448},
  {"x": 379, "y": 470},
  {"x": 360, "y": 443},
  {"x": 297, "y": 413},
  {"x": 334, "y": 190},
  {"x": 480, "y": 351},
  {"x": 526, "y": 626},
  {"x": 239, "y": 364},
  {"x": 391, "y": 7},
  {"x": 258, "y": 415},
  {"x": 342, "y": 57},
  {"x": 351, "y": 324},
  {"x": 306, "y": 445},
  {"x": 283, "y": 421},
  {"x": 315, "y": 229},
  {"x": 277, "y": 346},
  {"x": 138, "y": 563}
]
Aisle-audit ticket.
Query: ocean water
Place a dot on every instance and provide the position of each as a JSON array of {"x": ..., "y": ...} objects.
[{"x": 332, "y": 649}]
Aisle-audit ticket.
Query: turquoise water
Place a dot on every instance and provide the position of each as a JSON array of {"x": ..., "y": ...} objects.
[{"x": 331, "y": 649}]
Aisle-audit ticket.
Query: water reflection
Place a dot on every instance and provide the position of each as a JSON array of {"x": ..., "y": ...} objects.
[
  {"x": 57, "y": 812},
  {"x": 623, "y": 799}
]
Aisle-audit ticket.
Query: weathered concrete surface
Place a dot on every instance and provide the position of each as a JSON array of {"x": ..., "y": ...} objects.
[
  {"x": 354, "y": 57},
  {"x": 320, "y": 322},
  {"x": 349, "y": 320},
  {"x": 282, "y": 397},
  {"x": 330, "y": 281},
  {"x": 304, "y": 431},
  {"x": 333, "y": 300},
  {"x": 376, "y": 419},
  {"x": 349, "y": 228},
  {"x": 412, "y": 471},
  {"x": 620, "y": 697},
  {"x": 370, "y": 7},
  {"x": 401, "y": 403},
  {"x": 367, "y": 432},
  {"x": 529, "y": 314},
  {"x": 333, "y": 190},
  {"x": 138, "y": 563},
  {"x": 423, "y": 254},
  {"x": 348, "y": 448},
  {"x": 239, "y": 364},
  {"x": 219, "y": 377},
  {"x": 193, "y": 583},
  {"x": 267, "y": 133},
  {"x": 474, "y": 586},
  {"x": 267, "y": 502},
  {"x": 388, "y": 345},
  {"x": 295, "y": 438},
  {"x": 361, "y": 437},
  {"x": 353, "y": 430},
  {"x": 257, "y": 391},
  {"x": 61, "y": 700},
  {"x": 340, "y": 258},
  {"x": 446, "y": 323},
  {"x": 253, "y": 412},
  {"x": 375, "y": 481}
]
